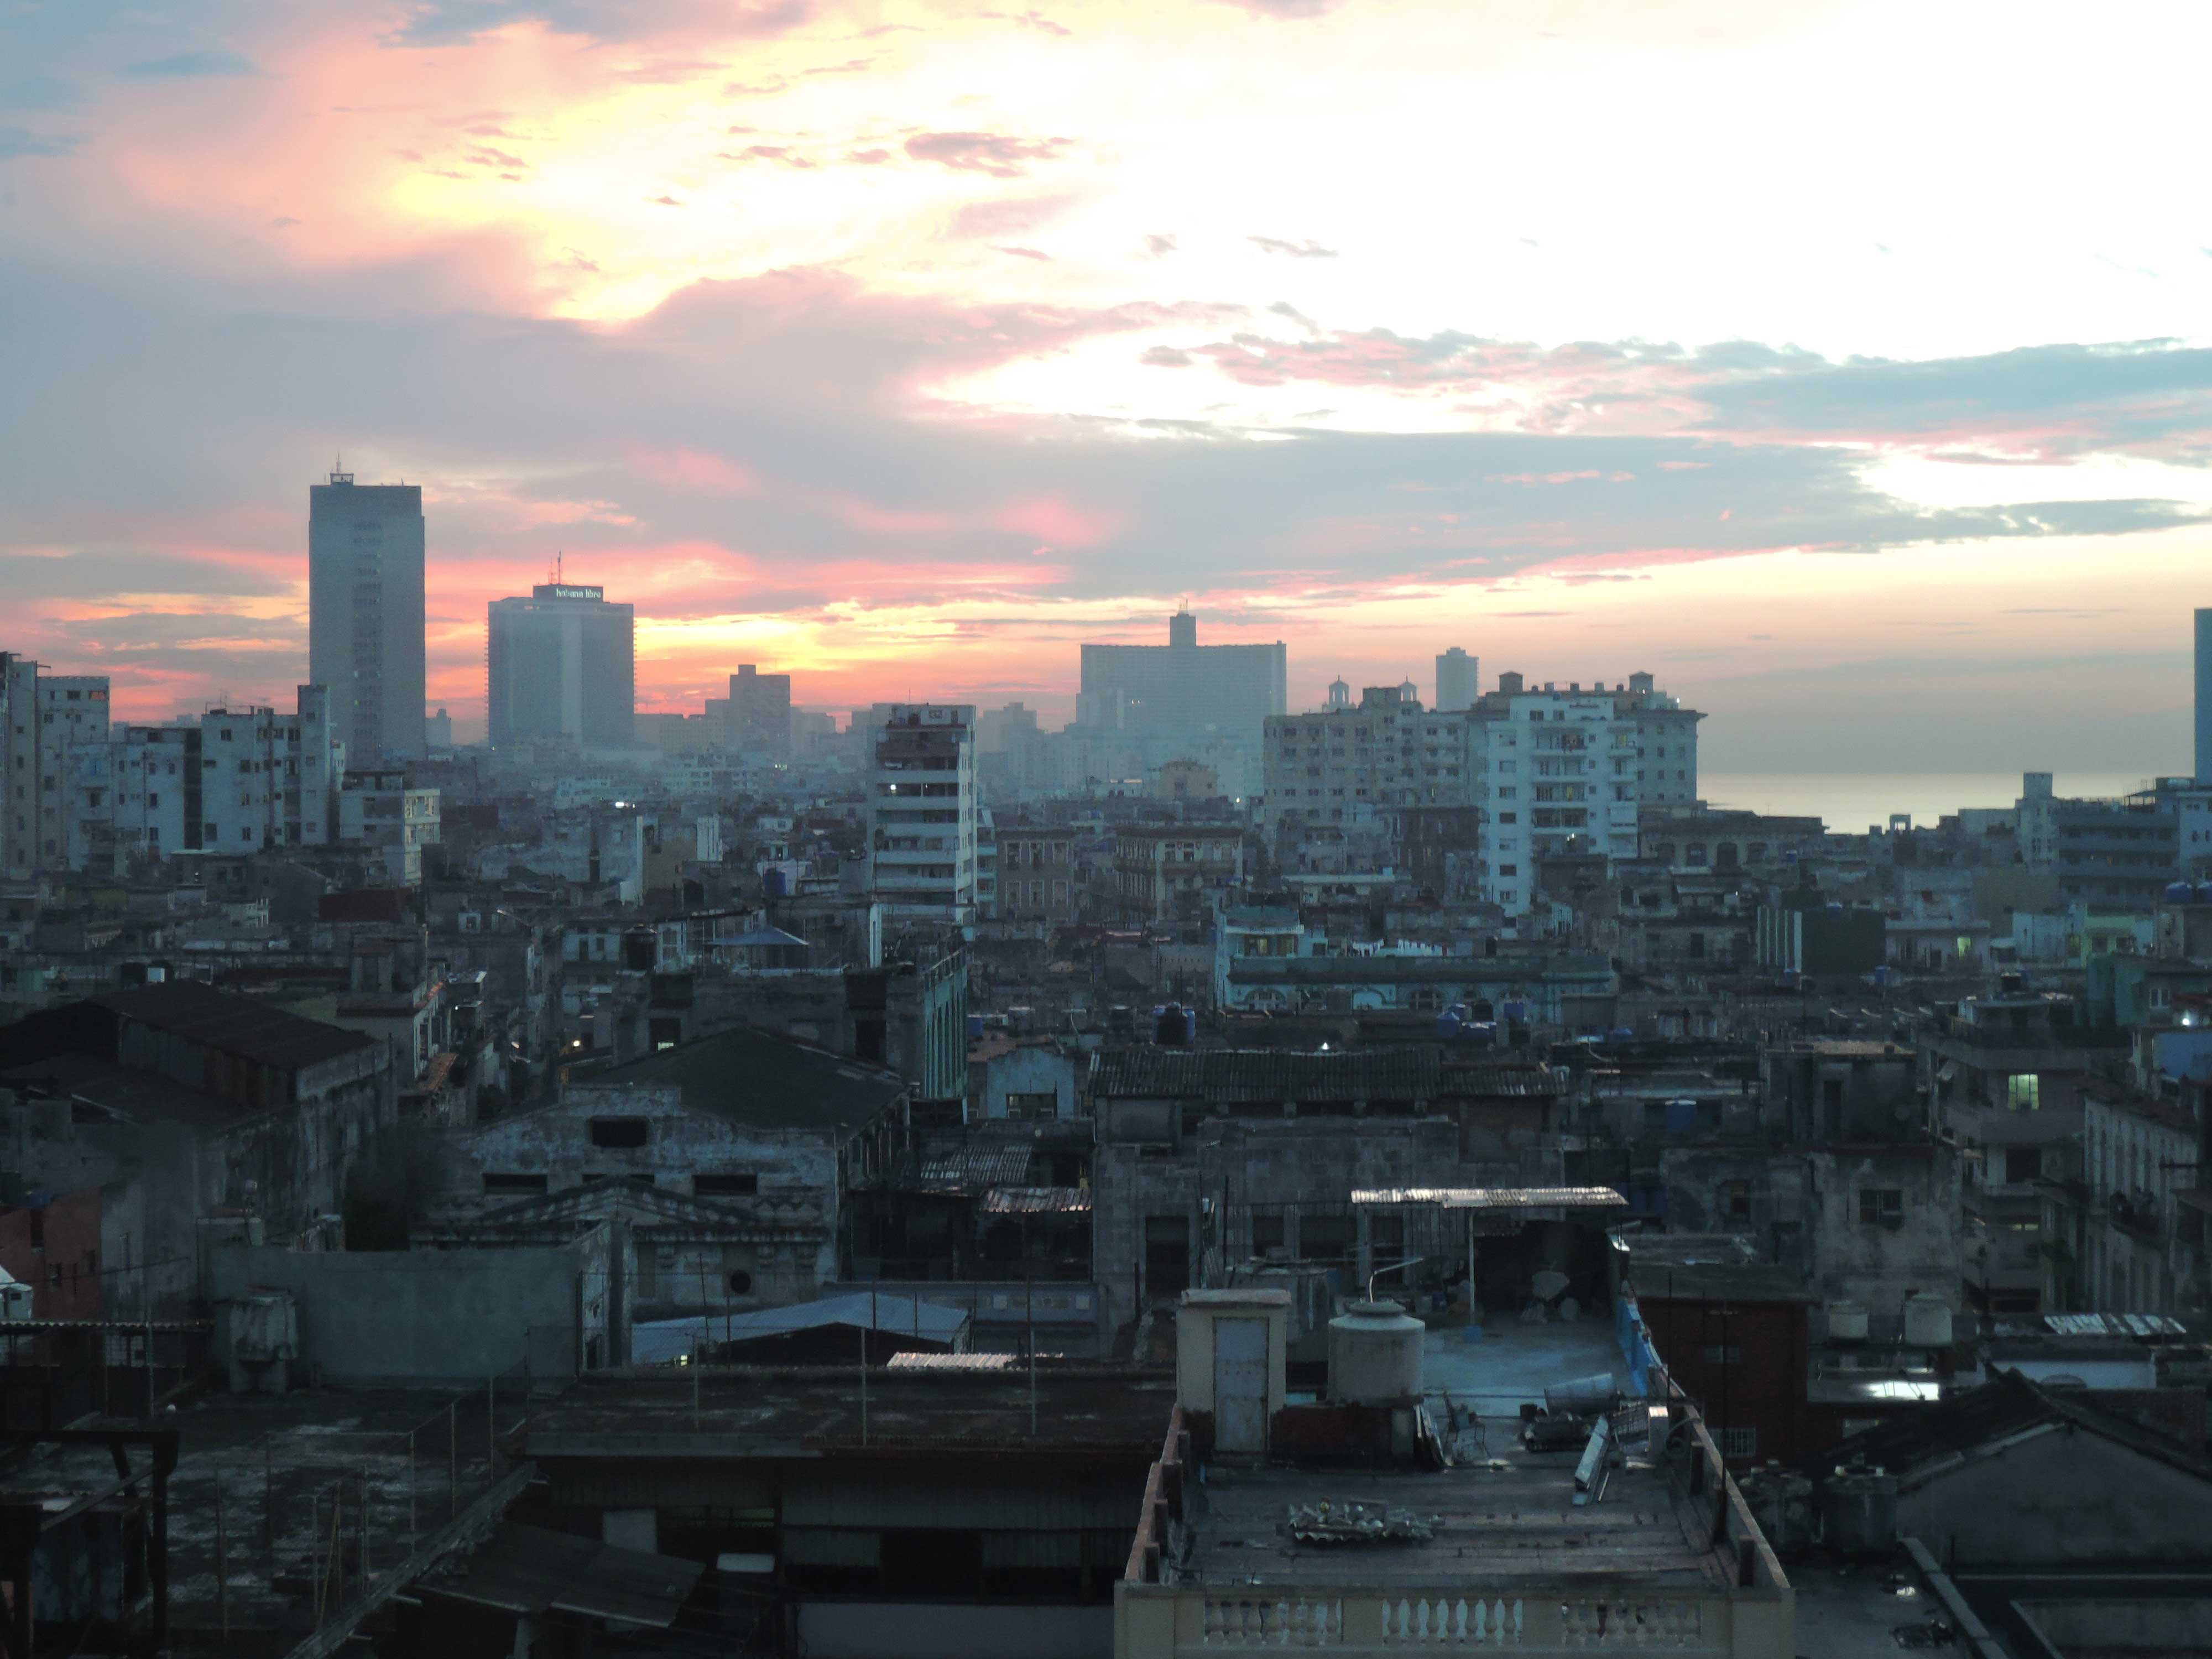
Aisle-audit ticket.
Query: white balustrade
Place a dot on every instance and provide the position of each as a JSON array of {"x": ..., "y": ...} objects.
[
  {"x": 1272, "y": 1622},
  {"x": 1647, "y": 1625},
  {"x": 1451, "y": 1621}
]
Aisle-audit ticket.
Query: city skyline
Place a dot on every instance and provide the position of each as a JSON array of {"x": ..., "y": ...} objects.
[{"x": 905, "y": 352}]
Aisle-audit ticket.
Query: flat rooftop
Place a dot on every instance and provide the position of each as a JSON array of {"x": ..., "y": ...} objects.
[
  {"x": 1516, "y": 1510},
  {"x": 410, "y": 1458},
  {"x": 804, "y": 1411}
]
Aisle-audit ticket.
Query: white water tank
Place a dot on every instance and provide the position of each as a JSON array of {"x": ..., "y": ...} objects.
[
  {"x": 1375, "y": 1355},
  {"x": 1847, "y": 1321},
  {"x": 1927, "y": 1320}
]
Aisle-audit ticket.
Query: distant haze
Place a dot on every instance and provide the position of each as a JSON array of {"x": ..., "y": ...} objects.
[{"x": 903, "y": 347}]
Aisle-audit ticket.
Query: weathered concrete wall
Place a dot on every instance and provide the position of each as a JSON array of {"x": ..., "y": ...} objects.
[
  {"x": 1294, "y": 1166},
  {"x": 790, "y": 1217},
  {"x": 1031, "y": 1069},
  {"x": 2064, "y": 1498},
  {"x": 447, "y": 1315},
  {"x": 894, "y": 1629}
]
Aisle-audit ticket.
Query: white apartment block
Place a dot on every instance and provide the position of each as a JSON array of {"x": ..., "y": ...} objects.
[
  {"x": 377, "y": 810},
  {"x": 1335, "y": 768},
  {"x": 923, "y": 810},
  {"x": 1570, "y": 770},
  {"x": 231, "y": 780},
  {"x": 45, "y": 719}
]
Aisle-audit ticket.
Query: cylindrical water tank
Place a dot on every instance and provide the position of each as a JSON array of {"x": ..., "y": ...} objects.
[
  {"x": 1927, "y": 1320},
  {"x": 2204, "y": 892},
  {"x": 1847, "y": 1321},
  {"x": 1858, "y": 1512},
  {"x": 2180, "y": 892},
  {"x": 1375, "y": 1354}
]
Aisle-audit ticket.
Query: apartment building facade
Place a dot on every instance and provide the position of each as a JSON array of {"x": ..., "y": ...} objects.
[
  {"x": 923, "y": 810},
  {"x": 45, "y": 721}
]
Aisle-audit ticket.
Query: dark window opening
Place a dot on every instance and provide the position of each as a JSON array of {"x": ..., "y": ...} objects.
[
  {"x": 621, "y": 1132},
  {"x": 1325, "y": 1238},
  {"x": 1882, "y": 1206},
  {"x": 514, "y": 1183},
  {"x": 741, "y": 1283},
  {"x": 1267, "y": 1232},
  {"x": 933, "y": 1562},
  {"x": 725, "y": 1186},
  {"x": 1167, "y": 1255}
]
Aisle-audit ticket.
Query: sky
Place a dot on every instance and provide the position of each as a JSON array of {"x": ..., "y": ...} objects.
[{"x": 1848, "y": 366}]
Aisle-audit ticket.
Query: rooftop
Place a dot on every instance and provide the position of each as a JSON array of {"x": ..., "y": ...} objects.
[
  {"x": 133, "y": 1096},
  {"x": 762, "y": 1079},
  {"x": 1233, "y": 1077},
  {"x": 793, "y": 1412},
  {"x": 1517, "y": 1510},
  {"x": 234, "y": 1025}
]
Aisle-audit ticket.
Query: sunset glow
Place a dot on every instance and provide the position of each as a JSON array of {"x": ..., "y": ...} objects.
[{"x": 905, "y": 347}]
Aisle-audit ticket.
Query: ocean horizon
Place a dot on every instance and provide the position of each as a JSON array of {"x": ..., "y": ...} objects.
[{"x": 1850, "y": 802}]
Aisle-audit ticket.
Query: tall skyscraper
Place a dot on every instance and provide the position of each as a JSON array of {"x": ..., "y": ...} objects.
[
  {"x": 1459, "y": 681},
  {"x": 2205, "y": 697},
  {"x": 365, "y": 613},
  {"x": 562, "y": 664}
]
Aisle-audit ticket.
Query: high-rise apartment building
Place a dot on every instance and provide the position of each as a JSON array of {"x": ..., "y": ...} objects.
[
  {"x": 923, "y": 810},
  {"x": 1571, "y": 771},
  {"x": 365, "y": 615},
  {"x": 46, "y": 721},
  {"x": 1459, "y": 681},
  {"x": 562, "y": 663},
  {"x": 231, "y": 781},
  {"x": 1336, "y": 768}
]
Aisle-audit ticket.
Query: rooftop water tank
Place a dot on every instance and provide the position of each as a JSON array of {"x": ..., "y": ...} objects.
[
  {"x": 1171, "y": 1026},
  {"x": 1375, "y": 1355},
  {"x": 1927, "y": 1320},
  {"x": 1847, "y": 1321},
  {"x": 2204, "y": 892},
  {"x": 1858, "y": 1512},
  {"x": 2180, "y": 892}
]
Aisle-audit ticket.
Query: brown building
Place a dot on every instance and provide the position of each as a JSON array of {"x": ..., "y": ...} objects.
[
  {"x": 1161, "y": 871},
  {"x": 1036, "y": 873}
]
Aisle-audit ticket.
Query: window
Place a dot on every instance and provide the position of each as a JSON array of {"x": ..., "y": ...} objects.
[
  {"x": 1724, "y": 1354},
  {"x": 493, "y": 1184},
  {"x": 2023, "y": 1163},
  {"x": 741, "y": 1282},
  {"x": 1882, "y": 1206},
  {"x": 2024, "y": 1092},
  {"x": 1740, "y": 1443},
  {"x": 726, "y": 1185},
  {"x": 1736, "y": 1200},
  {"x": 1267, "y": 1231},
  {"x": 1040, "y": 1106},
  {"x": 621, "y": 1132}
]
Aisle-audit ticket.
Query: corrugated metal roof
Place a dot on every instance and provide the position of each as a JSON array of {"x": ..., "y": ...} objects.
[
  {"x": 1495, "y": 1198},
  {"x": 976, "y": 1165},
  {"x": 2113, "y": 1324},
  {"x": 1038, "y": 1201},
  {"x": 951, "y": 1362}
]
